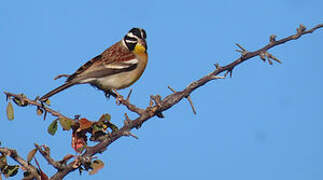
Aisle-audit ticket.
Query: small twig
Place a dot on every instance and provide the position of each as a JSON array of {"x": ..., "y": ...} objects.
[
  {"x": 49, "y": 159},
  {"x": 243, "y": 51},
  {"x": 35, "y": 103},
  {"x": 127, "y": 121},
  {"x": 170, "y": 88},
  {"x": 126, "y": 103},
  {"x": 217, "y": 66},
  {"x": 218, "y": 77},
  {"x": 191, "y": 103},
  {"x": 129, "y": 94},
  {"x": 62, "y": 75},
  {"x": 128, "y": 133},
  {"x": 272, "y": 38},
  {"x": 229, "y": 71},
  {"x": 188, "y": 98}
]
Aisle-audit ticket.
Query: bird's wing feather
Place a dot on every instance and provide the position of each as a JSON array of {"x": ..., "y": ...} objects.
[{"x": 115, "y": 59}]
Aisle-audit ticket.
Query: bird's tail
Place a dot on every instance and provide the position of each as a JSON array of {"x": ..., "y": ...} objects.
[{"x": 56, "y": 90}]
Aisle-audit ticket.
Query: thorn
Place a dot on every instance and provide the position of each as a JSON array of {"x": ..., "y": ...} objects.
[
  {"x": 188, "y": 98},
  {"x": 272, "y": 38},
  {"x": 274, "y": 58},
  {"x": 119, "y": 98},
  {"x": 151, "y": 102},
  {"x": 45, "y": 114},
  {"x": 128, "y": 133},
  {"x": 269, "y": 61},
  {"x": 191, "y": 103},
  {"x": 127, "y": 120},
  {"x": 217, "y": 77},
  {"x": 171, "y": 89},
  {"x": 217, "y": 66},
  {"x": 262, "y": 56},
  {"x": 301, "y": 28},
  {"x": 62, "y": 75},
  {"x": 156, "y": 99},
  {"x": 7, "y": 96},
  {"x": 270, "y": 56},
  {"x": 243, "y": 49},
  {"x": 129, "y": 94},
  {"x": 37, "y": 98},
  {"x": 160, "y": 115},
  {"x": 229, "y": 71}
]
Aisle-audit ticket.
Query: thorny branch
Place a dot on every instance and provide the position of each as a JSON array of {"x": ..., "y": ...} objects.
[
  {"x": 161, "y": 105},
  {"x": 44, "y": 151}
]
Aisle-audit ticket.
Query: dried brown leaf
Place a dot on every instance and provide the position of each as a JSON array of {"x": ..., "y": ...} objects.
[
  {"x": 85, "y": 124},
  {"x": 96, "y": 165},
  {"x": 39, "y": 112},
  {"x": 31, "y": 155},
  {"x": 78, "y": 143}
]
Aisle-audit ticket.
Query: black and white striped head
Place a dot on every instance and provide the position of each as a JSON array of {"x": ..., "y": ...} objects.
[{"x": 135, "y": 38}]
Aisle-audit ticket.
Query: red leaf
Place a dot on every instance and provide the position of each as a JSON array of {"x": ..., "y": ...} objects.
[{"x": 78, "y": 143}]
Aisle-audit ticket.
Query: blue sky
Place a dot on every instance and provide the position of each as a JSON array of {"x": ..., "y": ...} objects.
[{"x": 264, "y": 123}]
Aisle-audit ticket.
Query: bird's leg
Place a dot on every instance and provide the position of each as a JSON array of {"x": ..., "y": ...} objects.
[
  {"x": 118, "y": 97},
  {"x": 109, "y": 93}
]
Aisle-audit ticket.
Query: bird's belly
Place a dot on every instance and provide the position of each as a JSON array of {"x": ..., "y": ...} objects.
[{"x": 117, "y": 81}]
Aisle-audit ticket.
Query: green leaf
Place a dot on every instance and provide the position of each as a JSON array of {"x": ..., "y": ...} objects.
[
  {"x": 47, "y": 102},
  {"x": 31, "y": 155},
  {"x": 20, "y": 102},
  {"x": 10, "y": 112},
  {"x": 66, "y": 123},
  {"x": 105, "y": 117},
  {"x": 10, "y": 171},
  {"x": 96, "y": 166},
  {"x": 96, "y": 128},
  {"x": 52, "y": 128}
]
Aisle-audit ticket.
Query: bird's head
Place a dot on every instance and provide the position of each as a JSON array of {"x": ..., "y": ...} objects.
[{"x": 135, "y": 40}]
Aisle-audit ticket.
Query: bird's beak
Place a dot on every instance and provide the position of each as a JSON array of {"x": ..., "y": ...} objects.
[{"x": 143, "y": 43}]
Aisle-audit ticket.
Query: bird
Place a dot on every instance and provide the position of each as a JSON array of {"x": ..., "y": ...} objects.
[{"x": 118, "y": 67}]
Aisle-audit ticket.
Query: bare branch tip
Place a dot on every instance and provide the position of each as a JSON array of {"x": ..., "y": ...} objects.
[
  {"x": 170, "y": 88},
  {"x": 262, "y": 56},
  {"x": 272, "y": 38},
  {"x": 62, "y": 75},
  {"x": 217, "y": 66},
  {"x": 127, "y": 120},
  {"x": 243, "y": 49},
  {"x": 128, "y": 133},
  {"x": 191, "y": 103}
]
